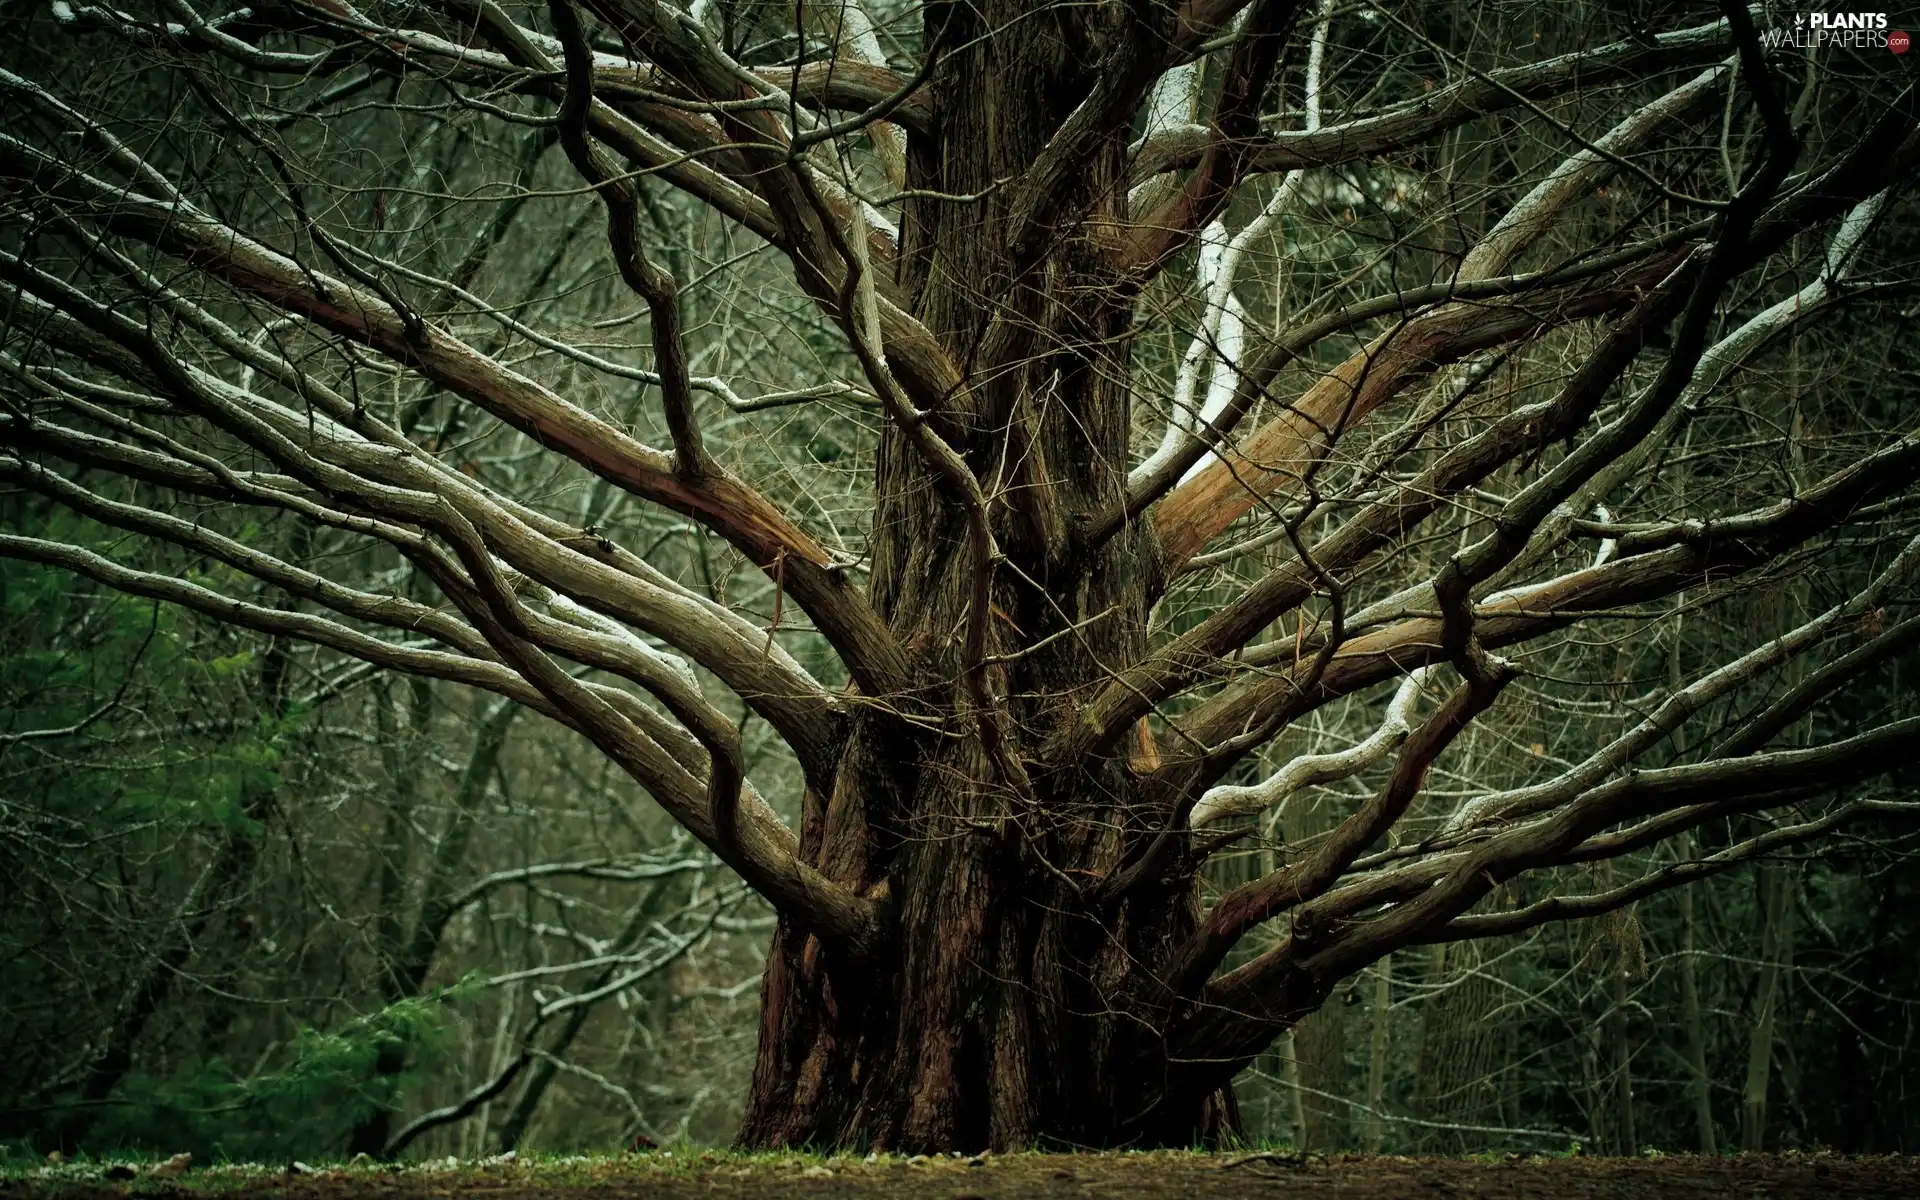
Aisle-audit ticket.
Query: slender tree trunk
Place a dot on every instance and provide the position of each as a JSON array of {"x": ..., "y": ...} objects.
[
  {"x": 1296, "y": 1095},
  {"x": 1380, "y": 1026},
  {"x": 1775, "y": 882},
  {"x": 409, "y": 950},
  {"x": 1320, "y": 1040},
  {"x": 400, "y": 743},
  {"x": 473, "y": 1134},
  {"x": 1699, "y": 1083},
  {"x": 541, "y": 1078},
  {"x": 1626, "y": 1137},
  {"x": 1454, "y": 1083},
  {"x": 1775, "y": 947}
]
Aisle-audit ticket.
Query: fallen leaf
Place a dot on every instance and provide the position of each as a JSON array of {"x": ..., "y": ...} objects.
[{"x": 177, "y": 1165}]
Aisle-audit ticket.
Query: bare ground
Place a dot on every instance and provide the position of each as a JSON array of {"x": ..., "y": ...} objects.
[{"x": 1139, "y": 1176}]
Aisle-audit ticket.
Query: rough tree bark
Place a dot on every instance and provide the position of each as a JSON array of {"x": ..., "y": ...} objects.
[{"x": 996, "y": 1026}]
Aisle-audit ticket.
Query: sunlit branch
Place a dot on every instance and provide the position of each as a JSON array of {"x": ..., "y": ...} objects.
[
  {"x": 1310, "y": 770},
  {"x": 1214, "y": 353}
]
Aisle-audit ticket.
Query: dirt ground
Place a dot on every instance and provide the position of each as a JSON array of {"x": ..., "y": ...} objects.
[{"x": 1140, "y": 1176}]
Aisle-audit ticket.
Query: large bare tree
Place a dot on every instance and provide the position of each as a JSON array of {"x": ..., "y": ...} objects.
[{"x": 1251, "y": 404}]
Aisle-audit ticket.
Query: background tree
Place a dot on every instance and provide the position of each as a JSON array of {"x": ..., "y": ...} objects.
[{"x": 1160, "y": 507}]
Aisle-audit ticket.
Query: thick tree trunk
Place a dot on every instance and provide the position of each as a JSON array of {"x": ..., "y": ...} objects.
[{"x": 1012, "y": 1009}]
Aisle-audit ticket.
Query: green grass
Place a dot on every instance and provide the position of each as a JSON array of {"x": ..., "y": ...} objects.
[{"x": 540, "y": 1169}]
